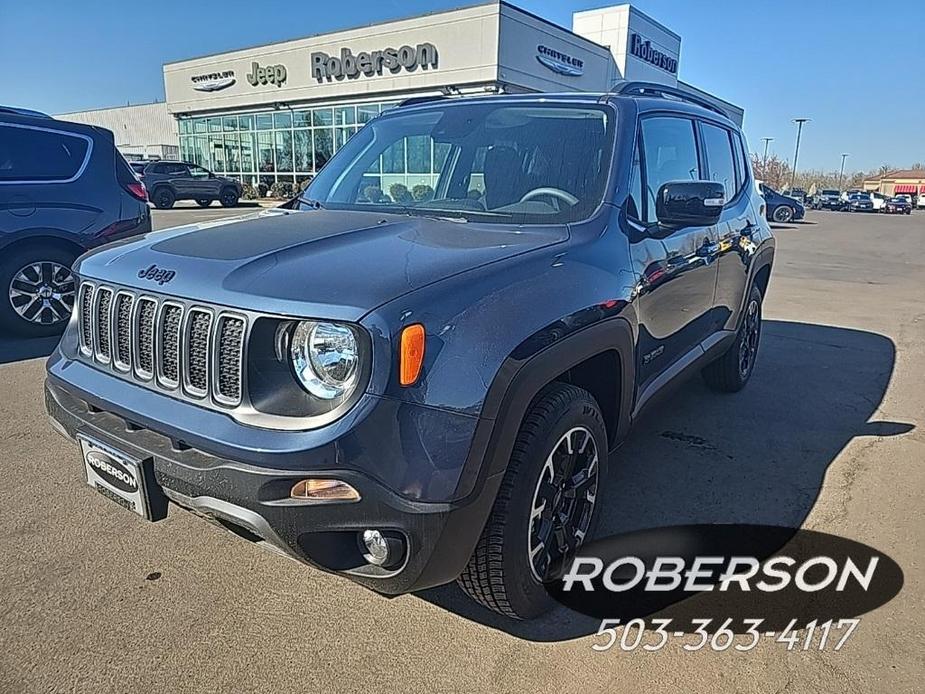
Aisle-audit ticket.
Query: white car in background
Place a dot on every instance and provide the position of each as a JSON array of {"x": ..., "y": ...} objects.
[{"x": 879, "y": 200}]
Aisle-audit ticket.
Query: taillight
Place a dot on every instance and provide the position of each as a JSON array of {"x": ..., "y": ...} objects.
[{"x": 137, "y": 190}]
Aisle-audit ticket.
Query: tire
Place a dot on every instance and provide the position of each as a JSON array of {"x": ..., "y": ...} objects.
[
  {"x": 782, "y": 214},
  {"x": 204, "y": 202},
  {"x": 36, "y": 302},
  {"x": 228, "y": 197},
  {"x": 163, "y": 198},
  {"x": 502, "y": 574},
  {"x": 730, "y": 372}
]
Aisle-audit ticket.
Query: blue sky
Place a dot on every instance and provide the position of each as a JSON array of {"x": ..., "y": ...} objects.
[{"x": 854, "y": 67}]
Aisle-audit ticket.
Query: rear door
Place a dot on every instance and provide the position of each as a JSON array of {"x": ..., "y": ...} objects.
[
  {"x": 202, "y": 182},
  {"x": 725, "y": 160},
  {"x": 677, "y": 275}
]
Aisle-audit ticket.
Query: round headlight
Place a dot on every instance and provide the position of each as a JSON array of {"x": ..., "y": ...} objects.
[{"x": 325, "y": 358}]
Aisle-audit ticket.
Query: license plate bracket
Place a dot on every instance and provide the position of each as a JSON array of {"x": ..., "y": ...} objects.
[{"x": 122, "y": 478}]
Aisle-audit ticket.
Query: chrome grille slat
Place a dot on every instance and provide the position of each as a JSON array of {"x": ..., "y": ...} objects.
[
  {"x": 122, "y": 331},
  {"x": 143, "y": 337},
  {"x": 168, "y": 344},
  {"x": 102, "y": 316},
  {"x": 195, "y": 351},
  {"x": 229, "y": 357},
  {"x": 197, "y": 335},
  {"x": 85, "y": 304}
]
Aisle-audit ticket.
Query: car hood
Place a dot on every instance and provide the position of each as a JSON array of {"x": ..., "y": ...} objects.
[{"x": 321, "y": 263}]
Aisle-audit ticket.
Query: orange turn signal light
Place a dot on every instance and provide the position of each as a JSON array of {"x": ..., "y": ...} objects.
[
  {"x": 324, "y": 490},
  {"x": 412, "y": 354}
]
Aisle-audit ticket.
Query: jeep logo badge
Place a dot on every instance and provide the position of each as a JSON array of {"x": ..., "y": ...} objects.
[
  {"x": 271, "y": 74},
  {"x": 112, "y": 471},
  {"x": 156, "y": 274}
]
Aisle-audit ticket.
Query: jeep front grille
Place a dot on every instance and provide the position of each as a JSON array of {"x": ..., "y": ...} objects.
[{"x": 170, "y": 345}]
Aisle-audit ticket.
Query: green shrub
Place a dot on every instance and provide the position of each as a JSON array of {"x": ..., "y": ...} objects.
[
  {"x": 373, "y": 194},
  {"x": 400, "y": 193},
  {"x": 248, "y": 192},
  {"x": 422, "y": 192},
  {"x": 281, "y": 189}
]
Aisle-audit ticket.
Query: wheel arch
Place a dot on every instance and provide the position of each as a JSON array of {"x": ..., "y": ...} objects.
[
  {"x": 43, "y": 239},
  {"x": 598, "y": 358}
]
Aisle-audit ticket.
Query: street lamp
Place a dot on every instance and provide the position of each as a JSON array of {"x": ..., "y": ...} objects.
[
  {"x": 767, "y": 141},
  {"x": 796, "y": 153},
  {"x": 841, "y": 173}
]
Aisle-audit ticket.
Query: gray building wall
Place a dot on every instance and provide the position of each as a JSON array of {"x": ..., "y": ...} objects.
[{"x": 142, "y": 130}]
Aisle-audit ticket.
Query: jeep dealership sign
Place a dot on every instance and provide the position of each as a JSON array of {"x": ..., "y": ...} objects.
[{"x": 327, "y": 67}]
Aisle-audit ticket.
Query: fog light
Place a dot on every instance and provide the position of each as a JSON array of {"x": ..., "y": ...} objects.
[
  {"x": 377, "y": 547},
  {"x": 324, "y": 490}
]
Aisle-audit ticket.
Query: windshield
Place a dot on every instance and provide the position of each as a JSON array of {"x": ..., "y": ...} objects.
[
  {"x": 496, "y": 162},
  {"x": 829, "y": 192}
]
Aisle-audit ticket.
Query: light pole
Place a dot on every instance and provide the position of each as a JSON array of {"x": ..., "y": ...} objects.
[
  {"x": 796, "y": 153},
  {"x": 767, "y": 141},
  {"x": 841, "y": 173}
]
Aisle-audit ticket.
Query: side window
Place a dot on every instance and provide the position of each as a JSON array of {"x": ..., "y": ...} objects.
[
  {"x": 195, "y": 172},
  {"x": 741, "y": 165},
  {"x": 28, "y": 154},
  {"x": 719, "y": 157},
  {"x": 670, "y": 151}
]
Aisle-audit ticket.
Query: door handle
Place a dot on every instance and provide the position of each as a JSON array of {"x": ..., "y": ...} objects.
[{"x": 708, "y": 250}]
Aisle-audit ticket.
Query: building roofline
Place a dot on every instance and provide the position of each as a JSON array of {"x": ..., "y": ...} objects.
[
  {"x": 110, "y": 108},
  {"x": 632, "y": 9},
  {"x": 434, "y": 13}
]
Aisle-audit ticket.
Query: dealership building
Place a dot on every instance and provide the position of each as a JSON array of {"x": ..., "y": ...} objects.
[{"x": 278, "y": 112}]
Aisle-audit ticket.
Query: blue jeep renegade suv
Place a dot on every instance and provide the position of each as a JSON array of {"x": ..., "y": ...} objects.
[{"x": 408, "y": 387}]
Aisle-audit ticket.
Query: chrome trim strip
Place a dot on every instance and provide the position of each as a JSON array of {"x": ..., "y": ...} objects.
[{"x": 188, "y": 387}]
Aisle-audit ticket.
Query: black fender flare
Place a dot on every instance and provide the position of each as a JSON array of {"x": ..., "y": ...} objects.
[{"x": 519, "y": 380}]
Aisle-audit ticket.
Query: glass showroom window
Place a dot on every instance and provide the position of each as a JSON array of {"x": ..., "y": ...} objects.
[{"x": 290, "y": 145}]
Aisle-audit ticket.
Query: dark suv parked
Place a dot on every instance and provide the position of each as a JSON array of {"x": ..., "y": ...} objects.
[
  {"x": 781, "y": 208},
  {"x": 169, "y": 181},
  {"x": 412, "y": 391},
  {"x": 64, "y": 188}
]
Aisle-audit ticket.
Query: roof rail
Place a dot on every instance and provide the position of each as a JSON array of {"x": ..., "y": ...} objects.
[
  {"x": 629, "y": 88},
  {"x": 421, "y": 100}
]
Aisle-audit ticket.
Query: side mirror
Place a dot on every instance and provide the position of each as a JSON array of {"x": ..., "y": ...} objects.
[{"x": 690, "y": 203}]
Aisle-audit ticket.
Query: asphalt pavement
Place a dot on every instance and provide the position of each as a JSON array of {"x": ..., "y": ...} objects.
[{"x": 828, "y": 435}]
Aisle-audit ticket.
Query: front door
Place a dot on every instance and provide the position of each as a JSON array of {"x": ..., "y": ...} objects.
[{"x": 675, "y": 267}]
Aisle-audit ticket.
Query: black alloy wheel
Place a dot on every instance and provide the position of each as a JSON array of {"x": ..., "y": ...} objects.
[{"x": 563, "y": 502}]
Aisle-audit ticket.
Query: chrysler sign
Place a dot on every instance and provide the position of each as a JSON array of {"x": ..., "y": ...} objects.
[
  {"x": 642, "y": 49},
  {"x": 328, "y": 67},
  {"x": 213, "y": 81},
  {"x": 560, "y": 62}
]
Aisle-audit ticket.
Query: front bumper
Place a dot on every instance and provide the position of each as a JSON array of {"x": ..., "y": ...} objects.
[{"x": 253, "y": 500}]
